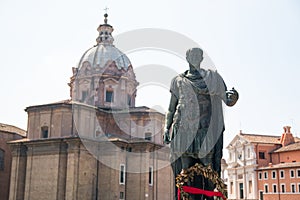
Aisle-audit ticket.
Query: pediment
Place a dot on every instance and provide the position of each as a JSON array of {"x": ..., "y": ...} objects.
[
  {"x": 235, "y": 165},
  {"x": 84, "y": 81},
  {"x": 130, "y": 73},
  {"x": 110, "y": 80},
  {"x": 85, "y": 68},
  {"x": 237, "y": 142}
]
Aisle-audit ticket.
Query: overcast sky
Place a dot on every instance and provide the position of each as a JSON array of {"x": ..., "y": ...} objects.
[{"x": 254, "y": 45}]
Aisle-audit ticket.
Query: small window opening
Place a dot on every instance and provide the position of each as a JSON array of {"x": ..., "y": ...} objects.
[
  {"x": 129, "y": 100},
  {"x": 122, "y": 174},
  {"x": 109, "y": 97},
  {"x": 44, "y": 132},
  {"x": 1, "y": 160},
  {"x": 84, "y": 94},
  {"x": 150, "y": 175},
  {"x": 262, "y": 155},
  {"x": 148, "y": 136}
]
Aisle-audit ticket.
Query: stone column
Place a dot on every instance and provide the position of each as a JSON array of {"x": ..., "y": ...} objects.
[
  {"x": 73, "y": 169},
  {"x": 62, "y": 171},
  {"x": 235, "y": 186},
  {"x": 101, "y": 93},
  {"x": 28, "y": 170},
  {"x": 254, "y": 185}
]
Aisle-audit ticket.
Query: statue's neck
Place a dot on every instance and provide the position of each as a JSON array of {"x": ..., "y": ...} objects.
[{"x": 193, "y": 70}]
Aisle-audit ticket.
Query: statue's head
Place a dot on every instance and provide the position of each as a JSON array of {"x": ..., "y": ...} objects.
[{"x": 194, "y": 56}]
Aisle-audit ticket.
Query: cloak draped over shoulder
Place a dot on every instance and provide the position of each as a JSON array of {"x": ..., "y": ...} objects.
[{"x": 198, "y": 122}]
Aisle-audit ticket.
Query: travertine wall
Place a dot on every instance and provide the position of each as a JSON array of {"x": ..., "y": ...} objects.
[
  {"x": 75, "y": 162},
  {"x": 66, "y": 119},
  {"x": 57, "y": 117},
  {"x": 65, "y": 169}
]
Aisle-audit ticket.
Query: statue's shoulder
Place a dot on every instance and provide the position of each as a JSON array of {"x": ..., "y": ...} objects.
[
  {"x": 176, "y": 82},
  {"x": 179, "y": 77}
]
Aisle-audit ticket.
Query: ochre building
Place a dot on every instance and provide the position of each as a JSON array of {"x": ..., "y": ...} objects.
[{"x": 264, "y": 167}]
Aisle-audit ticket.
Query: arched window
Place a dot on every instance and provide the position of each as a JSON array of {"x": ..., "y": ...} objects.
[
  {"x": 129, "y": 100},
  {"x": 44, "y": 132},
  {"x": 122, "y": 174},
  {"x": 151, "y": 175},
  {"x": 1, "y": 160}
]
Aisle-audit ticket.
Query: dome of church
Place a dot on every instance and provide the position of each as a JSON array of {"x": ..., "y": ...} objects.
[
  {"x": 104, "y": 52},
  {"x": 102, "y": 55},
  {"x": 104, "y": 76}
]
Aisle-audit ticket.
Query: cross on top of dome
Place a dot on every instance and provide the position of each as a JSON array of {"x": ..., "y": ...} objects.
[{"x": 105, "y": 15}]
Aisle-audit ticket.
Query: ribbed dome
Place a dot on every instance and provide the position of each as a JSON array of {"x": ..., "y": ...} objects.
[{"x": 103, "y": 54}]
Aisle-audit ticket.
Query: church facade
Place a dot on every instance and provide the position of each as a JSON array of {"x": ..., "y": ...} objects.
[{"x": 98, "y": 144}]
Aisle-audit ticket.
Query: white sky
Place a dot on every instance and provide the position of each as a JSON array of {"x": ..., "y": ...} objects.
[{"x": 255, "y": 46}]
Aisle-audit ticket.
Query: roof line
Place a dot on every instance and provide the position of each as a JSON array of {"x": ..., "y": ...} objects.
[{"x": 259, "y": 135}]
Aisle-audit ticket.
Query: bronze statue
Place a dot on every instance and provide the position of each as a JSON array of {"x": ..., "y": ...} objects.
[{"x": 194, "y": 122}]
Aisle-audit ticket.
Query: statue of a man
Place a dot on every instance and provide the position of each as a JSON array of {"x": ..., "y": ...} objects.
[{"x": 194, "y": 122}]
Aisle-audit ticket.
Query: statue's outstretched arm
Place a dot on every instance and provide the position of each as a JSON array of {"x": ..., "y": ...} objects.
[{"x": 169, "y": 118}]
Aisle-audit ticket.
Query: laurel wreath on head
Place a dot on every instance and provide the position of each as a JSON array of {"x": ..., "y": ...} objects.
[{"x": 187, "y": 175}]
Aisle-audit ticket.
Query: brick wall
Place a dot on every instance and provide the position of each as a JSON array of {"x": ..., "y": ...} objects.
[{"x": 6, "y": 171}]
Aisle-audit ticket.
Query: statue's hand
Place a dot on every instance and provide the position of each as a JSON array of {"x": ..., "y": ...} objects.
[
  {"x": 232, "y": 97},
  {"x": 166, "y": 137}
]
